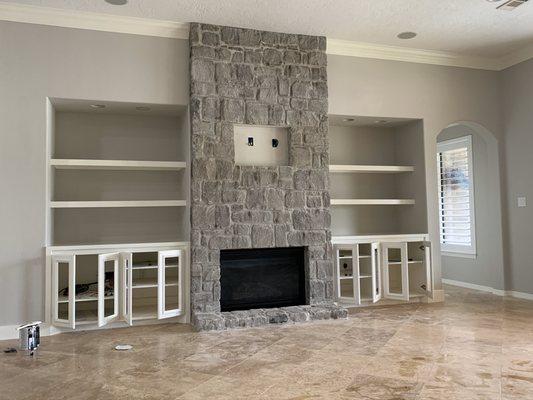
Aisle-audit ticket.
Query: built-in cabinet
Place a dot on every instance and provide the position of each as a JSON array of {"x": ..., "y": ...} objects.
[
  {"x": 95, "y": 286},
  {"x": 369, "y": 269},
  {"x": 117, "y": 213}
]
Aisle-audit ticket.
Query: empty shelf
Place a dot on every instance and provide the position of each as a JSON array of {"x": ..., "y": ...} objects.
[
  {"x": 345, "y": 277},
  {"x": 408, "y": 262},
  {"x": 81, "y": 297},
  {"x": 148, "y": 266},
  {"x": 117, "y": 164},
  {"x": 365, "y": 276},
  {"x": 370, "y": 168},
  {"x": 151, "y": 283},
  {"x": 371, "y": 202},
  {"x": 113, "y": 204}
]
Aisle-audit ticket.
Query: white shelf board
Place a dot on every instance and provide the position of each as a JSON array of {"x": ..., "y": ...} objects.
[
  {"x": 365, "y": 276},
  {"x": 61, "y": 163},
  {"x": 345, "y": 277},
  {"x": 116, "y": 204},
  {"x": 146, "y": 266},
  {"x": 81, "y": 298},
  {"x": 408, "y": 262},
  {"x": 345, "y": 257},
  {"x": 365, "y": 256},
  {"x": 375, "y": 169},
  {"x": 144, "y": 283},
  {"x": 371, "y": 202}
]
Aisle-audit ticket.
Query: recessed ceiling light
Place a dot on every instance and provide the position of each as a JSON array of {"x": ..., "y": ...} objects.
[
  {"x": 117, "y": 2},
  {"x": 143, "y": 108},
  {"x": 348, "y": 119},
  {"x": 380, "y": 121},
  {"x": 98, "y": 105},
  {"x": 406, "y": 35}
]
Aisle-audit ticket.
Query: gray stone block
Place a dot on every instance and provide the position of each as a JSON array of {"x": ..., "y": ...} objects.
[
  {"x": 233, "y": 110},
  {"x": 256, "y": 113},
  {"x": 210, "y": 38},
  {"x": 272, "y": 57},
  {"x": 202, "y": 70},
  {"x": 262, "y": 236}
]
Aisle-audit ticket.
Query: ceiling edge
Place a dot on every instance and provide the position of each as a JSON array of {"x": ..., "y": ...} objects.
[
  {"x": 179, "y": 30},
  {"x": 93, "y": 21}
]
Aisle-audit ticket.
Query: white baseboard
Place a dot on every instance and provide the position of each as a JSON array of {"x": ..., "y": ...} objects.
[
  {"x": 9, "y": 332},
  {"x": 497, "y": 292}
]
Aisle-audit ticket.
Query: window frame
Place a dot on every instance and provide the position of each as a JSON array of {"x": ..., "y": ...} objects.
[{"x": 455, "y": 249}]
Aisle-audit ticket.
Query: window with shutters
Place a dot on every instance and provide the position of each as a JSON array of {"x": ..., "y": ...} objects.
[{"x": 456, "y": 196}]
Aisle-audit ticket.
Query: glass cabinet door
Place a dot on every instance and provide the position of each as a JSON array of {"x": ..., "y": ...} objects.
[
  {"x": 127, "y": 291},
  {"x": 170, "y": 283},
  {"x": 395, "y": 271},
  {"x": 64, "y": 291},
  {"x": 108, "y": 278}
]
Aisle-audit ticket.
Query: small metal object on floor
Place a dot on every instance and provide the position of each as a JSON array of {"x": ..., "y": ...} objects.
[
  {"x": 123, "y": 347},
  {"x": 30, "y": 336}
]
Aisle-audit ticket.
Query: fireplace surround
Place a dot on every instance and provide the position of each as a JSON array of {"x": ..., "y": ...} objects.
[{"x": 245, "y": 76}]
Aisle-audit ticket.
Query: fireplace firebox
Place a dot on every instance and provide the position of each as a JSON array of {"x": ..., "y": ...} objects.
[{"x": 262, "y": 278}]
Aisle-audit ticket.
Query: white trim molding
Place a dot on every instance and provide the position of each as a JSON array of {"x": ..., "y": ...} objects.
[
  {"x": 497, "y": 292},
  {"x": 9, "y": 332},
  {"x": 396, "y": 53},
  {"x": 180, "y": 30},
  {"x": 93, "y": 21}
]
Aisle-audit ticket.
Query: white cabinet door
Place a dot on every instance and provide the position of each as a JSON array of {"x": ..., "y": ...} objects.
[
  {"x": 108, "y": 304},
  {"x": 376, "y": 272},
  {"x": 429, "y": 269},
  {"x": 127, "y": 292},
  {"x": 347, "y": 274},
  {"x": 395, "y": 271},
  {"x": 64, "y": 280},
  {"x": 170, "y": 283}
]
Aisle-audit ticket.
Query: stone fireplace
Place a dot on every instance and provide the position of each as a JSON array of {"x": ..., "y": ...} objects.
[{"x": 243, "y": 76}]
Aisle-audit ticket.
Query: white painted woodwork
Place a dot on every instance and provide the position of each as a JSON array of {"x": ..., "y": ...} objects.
[
  {"x": 113, "y": 204},
  {"x": 117, "y": 165},
  {"x": 371, "y": 202},
  {"x": 391, "y": 169},
  {"x": 162, "y": 310},
  {"x": 102, "y": 260},
  {"x": 127, "y": 281},
  {"x": 71, "y": 261},
  {"x": 403, "y": 269}
]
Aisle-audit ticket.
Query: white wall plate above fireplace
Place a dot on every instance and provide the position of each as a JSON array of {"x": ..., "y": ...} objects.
[{"x": 261, "y": 145}]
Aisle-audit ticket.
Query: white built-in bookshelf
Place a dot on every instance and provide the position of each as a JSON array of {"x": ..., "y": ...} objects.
[{"x": 116, "y": 174}]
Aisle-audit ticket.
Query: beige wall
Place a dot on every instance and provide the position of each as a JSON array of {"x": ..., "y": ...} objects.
[
  {"x": 36, "y": 62},
  {"x": 438, "y": 95},
  {"x": 518, "y": 108}
]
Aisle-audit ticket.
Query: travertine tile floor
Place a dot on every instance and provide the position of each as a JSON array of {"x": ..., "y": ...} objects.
[{"x": 475, "y": 346}]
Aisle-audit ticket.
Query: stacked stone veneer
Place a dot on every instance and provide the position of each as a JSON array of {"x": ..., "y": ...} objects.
[{"x": 243, "y": 76}]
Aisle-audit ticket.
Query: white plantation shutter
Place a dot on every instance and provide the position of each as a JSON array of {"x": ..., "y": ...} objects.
[{"x": 456, "y": 196}]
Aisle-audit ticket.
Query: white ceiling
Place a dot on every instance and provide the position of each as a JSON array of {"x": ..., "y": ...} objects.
[{"x": 469, "y": 27}]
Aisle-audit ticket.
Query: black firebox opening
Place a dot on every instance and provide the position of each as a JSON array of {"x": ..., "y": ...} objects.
[{"x": 262, "y": 278}]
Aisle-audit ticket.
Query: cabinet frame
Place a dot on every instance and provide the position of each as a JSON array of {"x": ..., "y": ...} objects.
[{"x": 122, "y": 253}]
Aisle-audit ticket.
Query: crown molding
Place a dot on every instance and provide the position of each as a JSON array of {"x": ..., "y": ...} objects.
[
  {"x": 93, "y": 21},
  {"x": 516, "y": 57},
  {"x": 179, "y": 30},
  {"x": 394, "y": 53}
]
